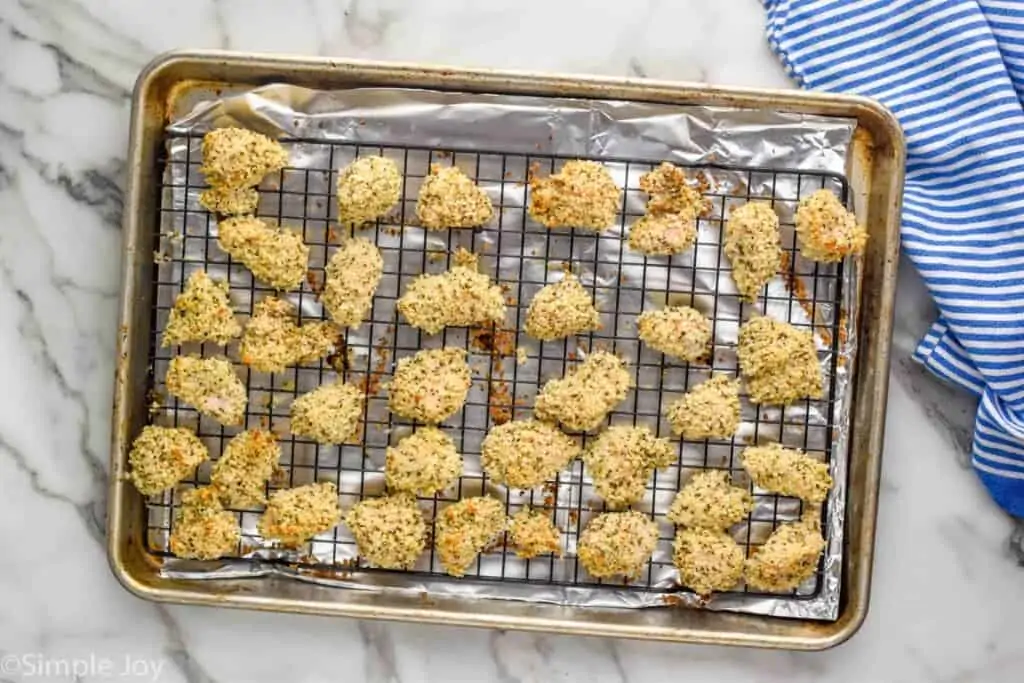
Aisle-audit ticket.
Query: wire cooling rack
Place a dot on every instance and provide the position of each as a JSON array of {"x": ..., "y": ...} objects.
[{"x": 519, "y": 253}]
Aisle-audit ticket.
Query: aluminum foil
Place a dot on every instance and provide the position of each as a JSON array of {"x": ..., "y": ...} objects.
[{"x": 498, "y": 139}]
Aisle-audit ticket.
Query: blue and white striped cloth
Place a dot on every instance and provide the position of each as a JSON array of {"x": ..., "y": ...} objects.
[{"x": 953, "y": 73}]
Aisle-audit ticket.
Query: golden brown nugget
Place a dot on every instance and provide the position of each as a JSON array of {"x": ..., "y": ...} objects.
[
  {"x": 779, "y": 363},
  {"x": 248, "y": 462},
  {"x": 430, "y": 386},
  {"x": 423, "y": 463},
  {"x": 669, "y": 226},
  {"x": 461, "y": 297},
  {"x": 352, "y": 276},
  {"x": 162, "y": 456},
  {"x": 711, "y": 410},
  {"x": 203, "y": 529},
  {"x": 202, "y": 312},
  {"x": 293, "y": 516},
  {"x": 583, "y": 398},
  {"x": 210, "y": 385},
  {"x": 237, "y": 158},
  {"x": 230, "y": 201},
  {"x": 523, "y": 454},
  {"x": 621, "y": 461},
  {"x": 329, "y": 414},
  {"x": 390, "y": 531},
  {"x": 533, "y": 533},
  {"x": 678, "y": 331},
  {"x": 826, "y": 231},
  {"x": 617, "y": 544},
  {"x": 368, "y": 188},
  {"x": 788, "y": 558},
  {"x": 465, "y": 529},
  {"x": 710, "y": 501},
  {"x": 788, "y": 471},
  {"x": 561, "y": 309},
  {"x": 276, "y": 256},
  {"x": 581, "y": 195},
  {"x": 272, "y": 341},
  {"x": 707, "y": 559},
  {"x": 449, "y": 199},
  {"x": 752, "y": 245}
]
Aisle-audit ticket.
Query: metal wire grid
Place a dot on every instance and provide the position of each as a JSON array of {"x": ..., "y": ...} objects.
[{"x": 512, "y": 247}]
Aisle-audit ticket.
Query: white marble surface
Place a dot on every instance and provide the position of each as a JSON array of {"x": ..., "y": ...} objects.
[{"x": 948, "y": 594}]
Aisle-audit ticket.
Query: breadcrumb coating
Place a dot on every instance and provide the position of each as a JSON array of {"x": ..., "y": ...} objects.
[
  {"x": 466, "y": 528},
  {"x": 710, "y": 501},
  {"x": 293, "y": 516},
  {"x": 430, "y": 386},
  {"x": 202, "y": 312},
  {"x": 533, "y": 533},
  {"x": 669, "y": 225},
  {"x": 449, "y": 199},
  {"x": 272, "y": 341},
  {"x": 329, "y": 414},
  {"x": 423, "y": 463},
  {"x": 390, "y": 531},
  {"x": 203, "y": 529},
  {"x": 162, "y": 456},
  {"x": 778, "y": 362},
  {"x": 678, "y": 331},
  {"x": 523, "y": 454},
  {"x": 368, "y": 188},
  {"x": 788, "y": 471},
  {"x": 248, "y": 462},
  {"x": 752, "y": 245},
  {"x": 210, "y": 385},
  {"x": 583, "y": 398},
  {"x": 787, "y": 559},
  {"x": 581, "y": 195},
  {"x": 617, "y": 544},
  {"x": 561, "y": 309},
  {"x": 707, "y": 559},
  {"x": 236, "y": 157},
  {"x": 711, "y": 410},
  {"x": 825, "y": 230},
  {"x": 352, "y": 276},
  {"x": 230, "y": 201},
  {"x": 461, "y": 297},
  {"x": 274, "y": 255},
  {"x": 621, "y": 460}
]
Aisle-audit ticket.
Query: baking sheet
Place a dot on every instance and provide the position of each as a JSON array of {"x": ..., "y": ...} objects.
[{"x": 517, "y": 132}]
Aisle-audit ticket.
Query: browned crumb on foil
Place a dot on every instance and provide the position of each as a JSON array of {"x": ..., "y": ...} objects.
[
  {"x": 203, "y": 529},
  {"x": 368, "y": 188},
  {"x": 330, "y": 414},
  {"x": 779, "y": 363},
  {"x": 826, "y": 230},
  {"x": 525, "y": 453},
  {"x": 679, "y": 331},
  {"x": 621, "y": 460},
  {"x": 431, "y": 385},
  {"x": 562, "y": 309},
  {"x": 276, "y": 256},
  {"x": 465, "y": 529},
  {"x": 582, "y": 399},
  {"x": 788, "y": 558},
  {"x": 293, "y": 516},
  {"x": 237, "y": 158},
  {"x": 201, "y": 313},
  {"x": 533, "y": 533},
  {"x": 709, "y": 500},
  {"x": 241, "y": 473},
  {"x": 352, "y": 276},
  {"x": 617, "y": 544},
  {"x": 788, "y": 471},
  {"x": 460, "y": 297},
  {"x": 581, "y": 195},
  {"x": 210, "y": 385},
  {"x": 707, "y": 559},
  {"x": 272, "y": 341},
  {"x": 711, "y": 410},
  {"x": 423, "y": 463},
  {"x": 449, "y": 199},
  {"x": 390, "y": 531},
  {"x": 160, "y": 457}
]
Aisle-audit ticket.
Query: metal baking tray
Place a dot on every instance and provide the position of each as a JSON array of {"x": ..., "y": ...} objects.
[{"x": 874, "y": 176}]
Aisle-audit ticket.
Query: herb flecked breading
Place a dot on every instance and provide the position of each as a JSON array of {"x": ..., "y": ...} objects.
[
  {"x": 617, "y": 544},
  {"x": 390, "y": 531},
  {"x": 621, "y": 460},
  {"x": 351, "y": 279},
  {"x": 711, "y": 410},
  {"x": 788, "y": 471},
  {"x": 752, "y": 245},
  {"x": 778, "y": 362},
  {"x": 247, "y": 464},
  {"x": 788, "y": 558},
  {"x": 431, "y": 385},
  {"x": 210, "y": 385},
  {"x": 293, "y": 516},
  {"x": 203, "y": 529},
  {"x": 581, "y": 195},
  {"x": 465, "y": 529},
  {"x": 825, "y": 229},
  {"x": 678, "y": 331},
  {"x": 562, "y": 309},
  {"x": 368, "y": 188},
  {"x": 460, "y": 297},
  {"x": 272, "y": 340},
  {"x": 449, "y": 199},
  {"x": 424, "y": 463},
  {"x": 710, "y": 501},
  {"x": 523, "y": 454},
  {"x": 275, "y": 255},
  {"x": 330, "y": 414},
  {"x": 162, "y": 456},
  {"x": 583, "y": 398},
  {"x": 201, "y": 313},
  {"x": 707, "y": 559}
]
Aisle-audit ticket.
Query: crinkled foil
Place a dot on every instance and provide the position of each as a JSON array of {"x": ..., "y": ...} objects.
[{"x": 751, "y": 141}]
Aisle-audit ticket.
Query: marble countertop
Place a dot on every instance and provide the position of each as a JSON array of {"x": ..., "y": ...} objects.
[{"x": 948, "y": 592}]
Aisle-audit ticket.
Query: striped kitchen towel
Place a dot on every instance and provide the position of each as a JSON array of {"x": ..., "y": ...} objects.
[{"x": 953, "y": 73}]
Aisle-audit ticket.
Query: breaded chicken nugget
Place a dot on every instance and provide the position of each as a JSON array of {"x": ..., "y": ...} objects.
[
  {"x": 460, "y": 297},
  {"x": 329, "y": 414},
  {"x": 669, "y": 225},
  {"x": 423, "y": 463},
  {"x": 581, "y": 195},
  {"x": 678, "y": 331},
  {"x": 710, "y": 501},
  {"x": 272, "y": 341},
  {"x": 533, "y": 533},
  {"x": 162, "y": 456},
  {"x": 825, "y": 230},
  {"x": 787, "y": 559},
  {"x": 237, "y": 158},
  {"x": 707, "y": 559},
  {"x": 711, "y": 410},
  {"x": 210, "y": 385},
  {"x": 465, "y": 529},
  {"x": 248, "y": 462},
  {"x": 390, "y": 531},
  {"x": 561, "y": 309},
  {"x": 523, "y": 454},
  {"x": 352, "y": 277},
  {"x": 752, "y": 245},
  {"x": 203, "y": 529},
  {"x": 449, "y": 199},
  {"x": 230, "y": 201},
  {"x": 617, "y": 544},
  {"x": 293, "y": 516},
  {"x": 621, "y": 460},
  {"x": 583, "y": 398},
  {"x": 779, "y": 362},
  {"x": 430, "y": 386},
  {"x": 202, "y": 312},
  {"x": 788, "y": 471},
  {"x": 274, "y": 255},
  {"x": 368, "y": 188}
]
